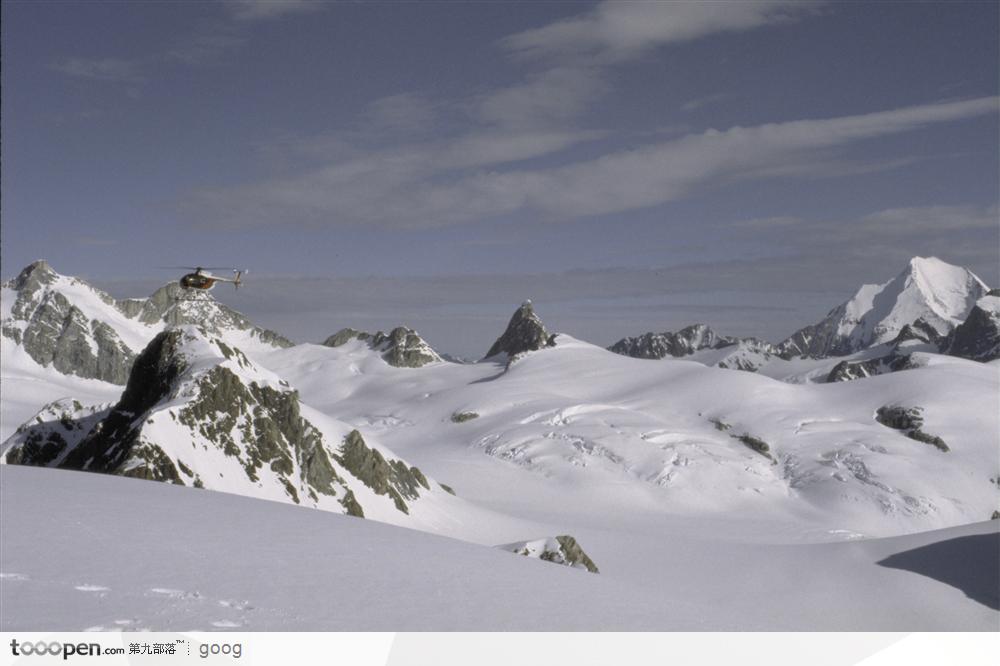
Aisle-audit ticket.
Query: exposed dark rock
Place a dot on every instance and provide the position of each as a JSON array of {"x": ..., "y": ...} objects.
[
  {"x": 920, "y": 331},
  {"x": 682, "y": 343},
  {"x": 908, "y": 420},
  {"x": 562, "y": 550},
  {"x": 462, "y": 417},
  {"x": 392, "y": 478},
  {"x": 57, "y": 428},
  {"x": 401, "y": 347},
  {"x": 747, "y": 354},
  {"x": 755, "y": 444},
  {"x": 525, "y": 332},
  {"x": 978, "y": 337},
  {"x": 849, "y": 370}
]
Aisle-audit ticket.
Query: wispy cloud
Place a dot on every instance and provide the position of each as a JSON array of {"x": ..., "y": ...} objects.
[
  {"x": 932, "y": 218},
  {"x": 404, "y": 188},
  {"x": 707, "y": 100},
  {"x": 101, "y": 69},
  {"x": 262, "y": 10},
  {"x": 615, "y": 31},
  {"x": 577, "y": 54},
  {"x": 207, "y": 42}
]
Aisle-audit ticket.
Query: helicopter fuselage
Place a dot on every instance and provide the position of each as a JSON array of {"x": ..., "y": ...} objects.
[{"x": 197, "y": 281}]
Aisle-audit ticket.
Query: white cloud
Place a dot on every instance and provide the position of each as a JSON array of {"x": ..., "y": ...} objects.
[
  {"x": 614, "y": 31},
  {"x": 256, "y": 10},
  {"x": 544, "y": 98},
  {"x": 932, "y": 218},
  {"x": 412, "y": 187}
]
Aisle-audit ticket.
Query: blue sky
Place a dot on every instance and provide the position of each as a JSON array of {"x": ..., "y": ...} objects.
[{"x": 630, "y": 166}]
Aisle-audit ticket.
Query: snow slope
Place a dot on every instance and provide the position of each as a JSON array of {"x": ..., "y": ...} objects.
[
  {"x": 27, "y": 387},
  {"x": 156, "y": 556},
  {"x": 596, "y": 430}
]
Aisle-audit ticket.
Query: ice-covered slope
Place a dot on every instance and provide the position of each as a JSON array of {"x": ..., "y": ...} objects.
[
  {"x": 115, "y": 553},
  {"x": 598, "y": 428},
  {"x": 68, "y": 325},
  {"x": 929, "y": 290}
]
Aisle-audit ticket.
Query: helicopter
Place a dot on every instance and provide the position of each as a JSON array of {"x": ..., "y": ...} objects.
[{"x": 203, "y": 281}]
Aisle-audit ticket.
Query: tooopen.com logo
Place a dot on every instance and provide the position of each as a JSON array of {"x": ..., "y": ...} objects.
[{"x": 55, "y": 648}]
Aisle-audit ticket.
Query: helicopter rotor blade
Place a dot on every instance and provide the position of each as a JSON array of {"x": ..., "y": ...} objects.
[{"x": 194, "y": 268}]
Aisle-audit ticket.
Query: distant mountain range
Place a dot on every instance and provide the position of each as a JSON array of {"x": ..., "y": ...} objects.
[
  {"x": 179, "y": 388},
  {"x": 930, "y": 301}
]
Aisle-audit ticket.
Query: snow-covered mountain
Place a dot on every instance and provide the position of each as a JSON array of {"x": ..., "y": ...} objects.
[
  {"x": 928, "y": 290},
  {"x": 198, "y": 412},
  {"x": 66, "y": 324}
]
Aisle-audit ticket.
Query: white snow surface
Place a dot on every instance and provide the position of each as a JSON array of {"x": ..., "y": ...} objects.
[
  {"x": 114, "y": 553},
  {"x": 593, "y": 430}
]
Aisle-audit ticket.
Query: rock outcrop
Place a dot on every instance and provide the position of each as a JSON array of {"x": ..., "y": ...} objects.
[
  {"x": 525, "y": 333},
  {"x": 562, "y": 550},
  {"x": 978, "y": 337},
  {"x": 401, "y": 348}
]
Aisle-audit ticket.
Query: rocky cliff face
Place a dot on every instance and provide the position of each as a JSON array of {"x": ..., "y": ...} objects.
[
  {"x": 525, "y": 332},
  {"x": 735, "y": 353},
  {"x": 196, "y": 411},
  {"x": 682, "y": 343},
  {"x": 978, "y": 337},
  {"x": 401, "y": 348}
]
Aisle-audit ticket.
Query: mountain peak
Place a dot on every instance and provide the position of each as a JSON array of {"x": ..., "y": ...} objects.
[
  {"x": 939, "y": 294},
  {"x": 35, "y": 274},
  {"x": 525, "y": 332}
]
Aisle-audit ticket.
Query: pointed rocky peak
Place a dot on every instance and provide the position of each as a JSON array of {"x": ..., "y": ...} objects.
[
  {"x": 525, "y": 332},
  {"x": 35, "y": 275},
  {"x": 402, "y": 347}
]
